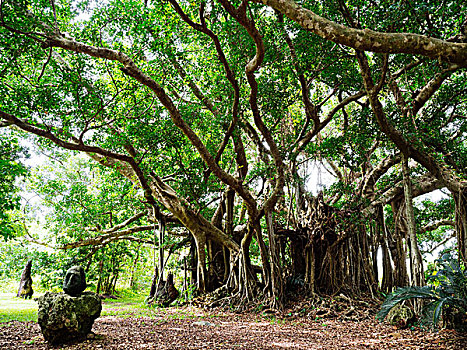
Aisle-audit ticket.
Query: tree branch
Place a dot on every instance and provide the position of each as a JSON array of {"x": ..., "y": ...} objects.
[
  {"x": 383, "y": 166},
  {"x": 422, "y": 185},
  {"x": 437, "y": 224},
  {"x": 432, "y": 86},
  {"x": 369, "y": 40},
  {"x": 228, "y": 71},
  {"x": 251, "y": 67},
  {"x": 106, "y": 238},
  {"x": 444, "y": 174}
]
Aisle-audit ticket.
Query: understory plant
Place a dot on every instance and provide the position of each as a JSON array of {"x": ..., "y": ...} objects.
[{"x": 445, "y": 295}]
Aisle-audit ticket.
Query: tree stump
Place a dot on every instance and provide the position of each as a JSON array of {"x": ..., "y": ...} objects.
[
  {"x": 167, "y": 294},
  {"x": 25, "y": 285}
]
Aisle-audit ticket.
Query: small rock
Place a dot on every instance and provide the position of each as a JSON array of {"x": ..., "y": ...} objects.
[{"x": 203, "y": 323}]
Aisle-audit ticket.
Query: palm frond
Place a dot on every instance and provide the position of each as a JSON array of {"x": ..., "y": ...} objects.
[
  {"x": 437, "y": 312},
  {"x": 448, "y": 287},
  {"x": 402, "y": 294}
]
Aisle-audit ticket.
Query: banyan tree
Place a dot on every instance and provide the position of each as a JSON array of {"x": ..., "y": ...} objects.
[{"x": 213, "y": 113}]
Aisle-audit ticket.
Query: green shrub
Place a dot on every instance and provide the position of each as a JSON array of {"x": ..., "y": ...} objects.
[{"x": 446, "y": 294}]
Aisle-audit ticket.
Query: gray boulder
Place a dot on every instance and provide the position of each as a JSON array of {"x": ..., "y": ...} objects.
[{"x": 64, "y": 318}]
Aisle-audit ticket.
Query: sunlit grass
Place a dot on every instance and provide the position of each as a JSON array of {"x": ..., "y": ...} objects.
[
  {"x": 126, "y": 306},
  {"x": 17, "y": 309},
  {"x": 8, "y": 285},
  {"x": 134, "y": 305}
]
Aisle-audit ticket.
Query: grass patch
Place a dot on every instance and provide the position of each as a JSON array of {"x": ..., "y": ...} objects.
[
  {"x": 132, "y": 305},
  {"x": 128, "y": 305},
  {"x": 17, "y": 309}
]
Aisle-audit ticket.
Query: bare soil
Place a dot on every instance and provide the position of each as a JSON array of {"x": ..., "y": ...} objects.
[{"x": 200, "y": 329}]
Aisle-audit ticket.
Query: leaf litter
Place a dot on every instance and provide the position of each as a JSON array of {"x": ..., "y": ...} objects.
[{"x": 196, "y": 328}]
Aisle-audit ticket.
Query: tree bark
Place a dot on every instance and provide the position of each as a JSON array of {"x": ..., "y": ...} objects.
[
  {"x": 161, "y": 248},
  {"x": 277, "y": 282},
  {"x": 417, "y": 277},
  {"x": 460, "y": 199},
  {"x": 369, "y": 40},
  {"x": 396, "y": 246}
]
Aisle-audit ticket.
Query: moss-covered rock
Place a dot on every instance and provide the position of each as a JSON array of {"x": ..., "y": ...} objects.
[
  {"x": 401, "y": 316},
  {"x": 64, "y": 318}
]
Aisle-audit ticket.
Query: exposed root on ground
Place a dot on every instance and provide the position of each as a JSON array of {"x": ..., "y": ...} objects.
[{"x": 314, "y": 307}]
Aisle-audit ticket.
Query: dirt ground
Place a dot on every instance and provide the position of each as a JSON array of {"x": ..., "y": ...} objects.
[{"x": 201, "y": 329}]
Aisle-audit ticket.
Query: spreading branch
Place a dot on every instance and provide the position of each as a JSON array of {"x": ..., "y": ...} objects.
[
  {"x": 369, "y": 40},
  {"x": 437, "y": 224}
]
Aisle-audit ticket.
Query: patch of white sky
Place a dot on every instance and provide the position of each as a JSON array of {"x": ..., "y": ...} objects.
[
  {"x": 318, "y": 176},
  {"x": 85, "y": 9}
]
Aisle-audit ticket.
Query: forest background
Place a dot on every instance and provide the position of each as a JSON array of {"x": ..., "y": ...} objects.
[{"x": 181, "y": 137}]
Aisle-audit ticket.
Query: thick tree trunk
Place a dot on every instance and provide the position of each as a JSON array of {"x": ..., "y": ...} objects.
[
  {"x": 218, "y": 255},
  {"x": 228, "y": 229},
  {"x": 387, "y": 283},
  {"x": 201, "y": 266},
  {"x": 310, "y": 281},
  {"x": 396, "y": 246},
  {"x": 216, "y": 268},
  {"x": 417, "y": 277},
  {"x": 460, "y": 199},
  {"x": 277, "y": 282},
  {"x": 256, "y": 227},
  {"x": 369, "y": 278},
  {"x": 337, "y": 252},
  {"x": 193, "y": 262},
  {"x": 375, "y": 238},
  {"x": 161, "y": 248},
  {"x": 246, "y": 281}
]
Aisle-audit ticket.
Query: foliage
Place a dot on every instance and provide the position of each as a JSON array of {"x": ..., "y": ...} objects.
[
  {"x": 81, "y": 202},
  {"x": 446, "y": 288},
  {"x": 10, "y": 169},
  {"x": 428, "y": 212},
  {"x": 48, "y": 266},
  {"x": 206, "y": 98}
]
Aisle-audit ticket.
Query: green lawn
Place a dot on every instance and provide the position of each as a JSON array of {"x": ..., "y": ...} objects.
[
  {"x": 126, "y": 306},
  {"x": 13, "y": 308}
]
